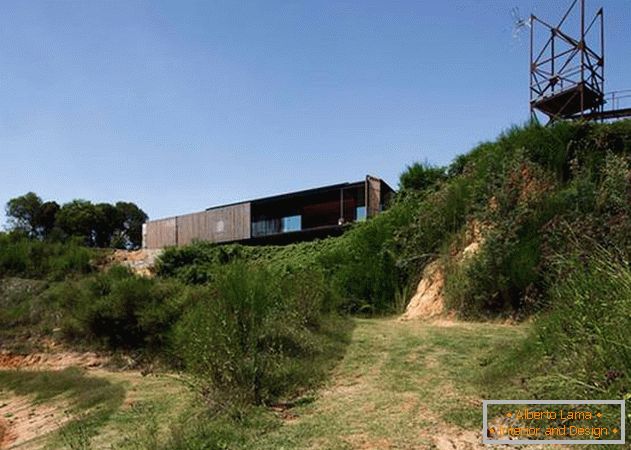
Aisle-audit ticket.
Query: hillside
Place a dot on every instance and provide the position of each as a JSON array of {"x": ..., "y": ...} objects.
[{"x": 519, "y": 251}]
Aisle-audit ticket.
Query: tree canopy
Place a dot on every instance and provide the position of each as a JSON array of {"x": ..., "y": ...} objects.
[
  {"x": 98, "y": 225},
  {"x": 420, "y": 176}
]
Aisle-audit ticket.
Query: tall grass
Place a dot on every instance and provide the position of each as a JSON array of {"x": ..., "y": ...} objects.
[
  {"x": 590, "y": 321},
  {"x": 579, "y": 346}
]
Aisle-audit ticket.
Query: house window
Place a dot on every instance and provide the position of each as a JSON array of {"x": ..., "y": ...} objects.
[
  {"x": 360, "y": 213},
  {"x": 292, "y": 223},
  {"x": 265, "y": 227}
]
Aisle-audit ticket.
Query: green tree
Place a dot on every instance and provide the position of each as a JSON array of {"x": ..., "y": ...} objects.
[
  {"x": 420, "y": 176},
  {"x": 132, "y": 218},
  {"x": 47, "y": 218},
  {"x": 98, "y": 225},
  {"x": 23, "y": 213},
  {"x": 78, "y": 218},
  {"x": 108, "y": 220}
]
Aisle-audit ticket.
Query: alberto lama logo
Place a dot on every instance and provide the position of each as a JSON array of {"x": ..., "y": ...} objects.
[{"x": 527, "y": 414}]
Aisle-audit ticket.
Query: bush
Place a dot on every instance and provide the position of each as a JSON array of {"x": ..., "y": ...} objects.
[
  {"x": 120, "y": 310},
  {"x": 251, "y": 335},
  {"x": 198, "y": 262},
  {"x": 29, "y": 258},
  {"x": 366, "y": 266},
  {"x": 361, "y": 267}
]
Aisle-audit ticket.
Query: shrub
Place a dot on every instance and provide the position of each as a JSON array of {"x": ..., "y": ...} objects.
[
  {"x": 225, "y": 338},
  {"x": 367, "y": 266},
  {"x": 29, "y": 258},
  {"x": 501, "y": 279},
  {"x": 120, "y": 310},
  {"x": 361, "y": 267},
  {"x": 251, "y": 335},
  {"x": 436, "y": 220}
]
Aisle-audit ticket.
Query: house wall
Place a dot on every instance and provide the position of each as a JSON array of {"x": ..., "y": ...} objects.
[
  {"x": 192, "y": 226},
  {"x": 228, "y": 223},
  {"x": 160, "y": 233},
  {"x": 225, "y": 224}
]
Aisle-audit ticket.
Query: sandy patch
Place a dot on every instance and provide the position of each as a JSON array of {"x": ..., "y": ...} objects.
[
  {"x": 51, "y": 361},
  {"x": 23, "y": 421},
  {"x": 428, "y": 301},
  {"x": 141, "y": 262}
]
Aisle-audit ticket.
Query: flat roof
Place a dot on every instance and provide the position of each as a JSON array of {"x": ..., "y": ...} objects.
[{"x": 302, "y": 193}]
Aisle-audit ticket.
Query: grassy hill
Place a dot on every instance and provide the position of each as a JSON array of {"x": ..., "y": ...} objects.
[{"x": 256, "y": 332}]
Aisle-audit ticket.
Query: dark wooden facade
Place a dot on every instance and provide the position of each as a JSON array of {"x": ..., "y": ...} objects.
[{"x": 280, "y": 219}]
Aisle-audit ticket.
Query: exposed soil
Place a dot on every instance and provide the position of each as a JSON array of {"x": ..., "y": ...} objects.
[
  {"x": 23, "y": 421},
  {"x": 5, "y": 437},
  {"x": 428, "y": 301},
  {"x": 51, "y": 361},
  {"x": 141, "y": 262}
]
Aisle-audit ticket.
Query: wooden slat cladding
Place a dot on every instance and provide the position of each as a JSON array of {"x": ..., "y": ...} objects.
[
  {"x": 228, "y": 223},
  {"x": 192, "y": 227},
  {"x": 161, "y": 233},
  {"x": 373, "y": 196},
  {"x": 225, "y": 224}
]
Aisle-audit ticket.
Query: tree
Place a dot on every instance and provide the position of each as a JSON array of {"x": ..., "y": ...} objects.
[
  {"x": 78, "y": 218},
  {"x": 27, "y": 214},
  {"x": 108, "y": 220},
  {"x": 47, "y": 218},
  {"x": 420, "y": 176},
  {"x": 100, "y": 225},
  {"x": 131, "y": 224},
  {"x": 23, "y": 213}
]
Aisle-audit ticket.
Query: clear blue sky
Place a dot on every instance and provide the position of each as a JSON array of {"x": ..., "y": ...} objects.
[{"x": 181, "y": 105}]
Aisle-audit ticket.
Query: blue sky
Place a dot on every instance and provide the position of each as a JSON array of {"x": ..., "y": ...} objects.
[{"x": 181, "y": 105}]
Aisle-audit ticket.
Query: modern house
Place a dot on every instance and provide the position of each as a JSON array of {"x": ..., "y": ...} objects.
[{"x": 280, "y": 219}]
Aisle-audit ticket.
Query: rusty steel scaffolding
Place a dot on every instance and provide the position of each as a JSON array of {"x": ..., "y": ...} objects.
[{"x": 567, "y": 74}]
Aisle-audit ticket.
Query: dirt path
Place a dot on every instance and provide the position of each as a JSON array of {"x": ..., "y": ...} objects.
[{"x": 403, "y": 385}]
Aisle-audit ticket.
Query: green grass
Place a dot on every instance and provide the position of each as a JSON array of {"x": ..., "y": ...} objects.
[{"x": 400, "y": 385}]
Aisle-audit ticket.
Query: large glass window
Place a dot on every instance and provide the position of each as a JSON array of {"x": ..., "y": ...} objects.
[
  {"x": 265, "y": 227},
  {"x": 360, "y": 213},
  {"x": 292, "y": 223}
]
